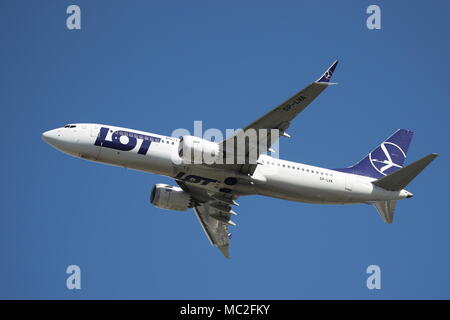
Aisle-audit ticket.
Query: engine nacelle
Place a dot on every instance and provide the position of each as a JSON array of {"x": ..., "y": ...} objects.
[
  {"x": 171, "y": 198},
  {"x": 197, "y": 150}
]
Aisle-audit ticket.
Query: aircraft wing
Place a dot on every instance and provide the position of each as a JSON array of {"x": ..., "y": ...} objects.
[
  {"x": 213, "y": 211},
  {"x": 279, "y": 119}
]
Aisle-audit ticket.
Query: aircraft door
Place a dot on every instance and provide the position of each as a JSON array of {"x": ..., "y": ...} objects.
[{"x": 94, "y": 131}]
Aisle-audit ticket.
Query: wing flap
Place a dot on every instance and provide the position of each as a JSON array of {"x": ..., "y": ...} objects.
[
  {"x": 216, "y": 229},
  {"x": 213, "y": 211}
]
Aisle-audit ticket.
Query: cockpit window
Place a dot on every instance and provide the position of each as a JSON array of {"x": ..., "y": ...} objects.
[{"x": 70, "y": 126}]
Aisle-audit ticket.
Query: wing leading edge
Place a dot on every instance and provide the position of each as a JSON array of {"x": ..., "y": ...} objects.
[
  {"x": 279, "y": 119},
  {"x": 214, "y": 210}
]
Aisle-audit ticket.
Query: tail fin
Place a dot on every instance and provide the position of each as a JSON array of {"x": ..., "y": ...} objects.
[
  {"x": 385, "y": 159},
  {"x": 401, "y": 178}
]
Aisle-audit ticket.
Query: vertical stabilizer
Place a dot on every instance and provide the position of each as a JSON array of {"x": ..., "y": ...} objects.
[{"x": 385, "y": 159}]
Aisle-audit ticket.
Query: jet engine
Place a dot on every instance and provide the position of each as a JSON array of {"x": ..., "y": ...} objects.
[
  {"x": 170, "y": 198},
  {"x": 197, "y": 150}
]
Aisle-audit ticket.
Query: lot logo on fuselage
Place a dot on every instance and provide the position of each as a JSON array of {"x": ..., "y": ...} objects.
[
  {"x": 387, "y": 158},
  {"x": 194, "y": 179},
  {"x": 125, "y": 140}
]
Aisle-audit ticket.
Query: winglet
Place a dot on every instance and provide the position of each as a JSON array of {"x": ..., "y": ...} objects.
[{"x": 325, "y": 78}]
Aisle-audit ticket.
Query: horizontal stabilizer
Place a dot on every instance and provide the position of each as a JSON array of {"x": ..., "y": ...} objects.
[
  {"x": 399, "y": 179},
  {"x": 386, "y": 209}
]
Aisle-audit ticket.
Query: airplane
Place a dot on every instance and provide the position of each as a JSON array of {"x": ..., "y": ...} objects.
[{"x": 212, "y": 189}]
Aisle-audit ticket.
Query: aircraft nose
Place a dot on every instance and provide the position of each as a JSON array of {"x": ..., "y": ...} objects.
[
  {"x": 45, "y": 136},
  {"x": 49, "y": 137}
]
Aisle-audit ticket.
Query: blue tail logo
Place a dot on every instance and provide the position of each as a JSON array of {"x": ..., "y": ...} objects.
[{"x": 388, "y": 157}]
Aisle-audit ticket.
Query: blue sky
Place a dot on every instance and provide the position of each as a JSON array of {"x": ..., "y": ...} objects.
[{"x": 158, "y": 66}]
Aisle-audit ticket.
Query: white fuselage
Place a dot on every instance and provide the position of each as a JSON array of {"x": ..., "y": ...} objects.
[{"x": 273, "y": 177}]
